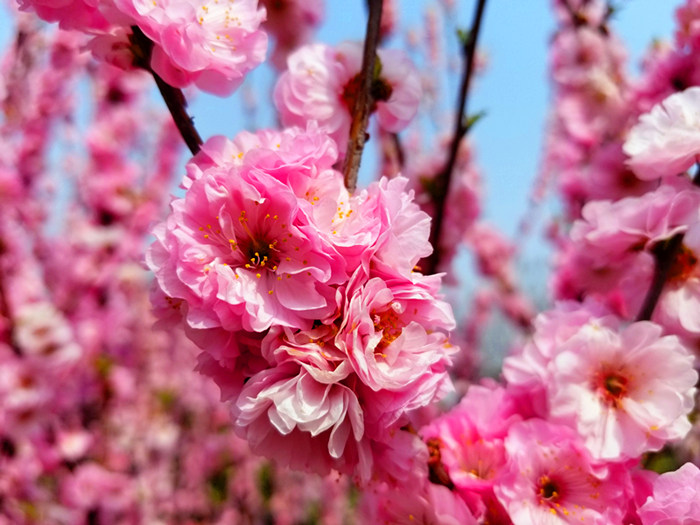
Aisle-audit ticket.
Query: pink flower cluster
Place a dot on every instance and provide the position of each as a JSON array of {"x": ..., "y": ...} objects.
[
  {"x": 607, "y": 379},
  {"x": 102, "y": 418},
  {"x": 212, "y": 45},
  {"x": 305, "y": 300},
  {"x": 584, "y": 399}
]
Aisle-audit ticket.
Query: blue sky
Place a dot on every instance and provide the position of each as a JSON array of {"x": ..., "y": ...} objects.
[{"x": 513, "y": 90}]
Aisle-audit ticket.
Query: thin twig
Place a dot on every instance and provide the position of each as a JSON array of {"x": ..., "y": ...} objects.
[
  {"x": 5, "y": 311},
  {"x": 142, "y": 48},
  {"x": 665, "y": 255},
  {"x": 442, "y": 181},
  {"x": 400, "y": 153},
  {"x": 363, "y": 101}
]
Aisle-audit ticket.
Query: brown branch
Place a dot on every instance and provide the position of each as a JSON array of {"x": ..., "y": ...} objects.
[
  {"x": 437, "y": 473},
  {"x": 580, "y": 20},
  {"x": 142, "y": 47},
  {"x": 363, "y": 101},
  {"x": 400, "y": 153},
  {"x": 442, "y": 180},
  {"x": 665, "y": 255},
  {"x": 5, "y": 311}
]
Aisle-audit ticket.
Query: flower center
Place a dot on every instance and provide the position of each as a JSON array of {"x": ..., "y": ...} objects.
[
  {"x": 616, "y": 385},
  {"x": 683, "y": 265},
  {"x": 380, "y": 90},
  {"x": 613, "y": 388},
  {"x": 259, "y": 251},
  {"x": 548, "y": 489},
  {"x": 391, "y": 326}
]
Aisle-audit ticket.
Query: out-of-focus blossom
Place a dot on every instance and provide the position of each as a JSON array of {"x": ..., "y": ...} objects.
[
  {"x": 666, "y": 141},
  {"x": 551, "y": 479},
  {"x": 322, "y": 83},
  {"x": 676, "y": 498}
]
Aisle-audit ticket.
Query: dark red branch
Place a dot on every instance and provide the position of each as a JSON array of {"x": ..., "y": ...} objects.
[
  {"x": 437, "y": 473},
  {"x": 142, "y": 47},
  {"x": 442, "y": 181},
  {"x": 363, "y": 101},
  {"x": 665, "y": 255},
  {"x": 5, "y": 312}
]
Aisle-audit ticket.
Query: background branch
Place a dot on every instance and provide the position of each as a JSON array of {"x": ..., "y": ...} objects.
[
  {"x": 363, "y": 101},
  {"x": 142, "y": 47},
  {"x": 665, "y": 255},
  {"x": 462, "y": 125}
]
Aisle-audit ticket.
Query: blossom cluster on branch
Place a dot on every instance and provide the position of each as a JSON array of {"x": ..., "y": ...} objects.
[{"x": 197, "y": 357}]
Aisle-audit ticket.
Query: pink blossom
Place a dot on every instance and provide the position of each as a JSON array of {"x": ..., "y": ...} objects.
[
  {"x": 470, "y": 441},
  {"x": 667, "y": 70},
  {"x": 666, "y": 141},
  {"x": 291, "y": 23},
  {"x": 611, "y": 257},
  {"x": 93, "y": 486},
  {"x": 677, "y": 305},
  {"x": 44, "y": 335},
  {"x": 688, "y": 28},
  {"x": 383, "y": 222},
  {"x": 550, "y": 479},
  {"x": 70, "y": 14},
  {"x": 428, "y": 504},
  {"x": 286, "y": 412},
  {"x": 394, "y": 332},
  {"x": 321, "y": 83},
  {"x": 625, "y": 391},
  {"x": 243, "y": 254},
  {"x": 676, "y": 498},
  {"x": 528, "y": 368},
  {"x": 326, "y": 404},
  {"x": 494, "y": 253},
  {"x": 578, "y": 53},
  {"x": 211, "y": 44}
]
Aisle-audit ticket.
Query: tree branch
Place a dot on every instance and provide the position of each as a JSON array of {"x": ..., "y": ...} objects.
[
  {"x": 142, "y": 47},
  {"x": 5, "y": 311},
  {"x": 442, "y": 181},
  {"x": 363, "y": 101},
  {"x": 665, "y": 254}
]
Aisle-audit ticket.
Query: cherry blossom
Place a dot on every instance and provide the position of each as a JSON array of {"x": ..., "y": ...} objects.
[
  {"x": 551, "y": 479},
  {"x": 675, "y": 498},
  {"x": 321, "y": 83},
  {"x": 666, "y": 141},
  {"x": 625, "y": 392}
]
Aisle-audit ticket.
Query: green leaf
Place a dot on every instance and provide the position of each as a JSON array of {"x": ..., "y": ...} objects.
[
  {"x": 463, "y": 35},
  {"x": 473, "y": 119}
]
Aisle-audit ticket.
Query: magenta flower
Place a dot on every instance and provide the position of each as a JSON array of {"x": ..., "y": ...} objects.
[
  {"x": 243, "y": 255},
  {"x": 429, "y": 504},
  {"x": 550, "y": 479},
  {"x": 393, "y": 330},
  {"x": 470, "y": 442},
  {"x": 303, "y": 421},
  {"x": 676, "y": 498},
  {"x": 210, "y": 44},
  {"x": 384, "y": 224}
]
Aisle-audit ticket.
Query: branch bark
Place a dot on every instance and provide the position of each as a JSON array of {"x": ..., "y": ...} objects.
[
  {"x": 5, "y": 312},
  {"x": 142, "y": 47},
  {"x": 363, "y": 101},
  {"x": 665, "y": 254},
  {"x": 442, "y": 181}
]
